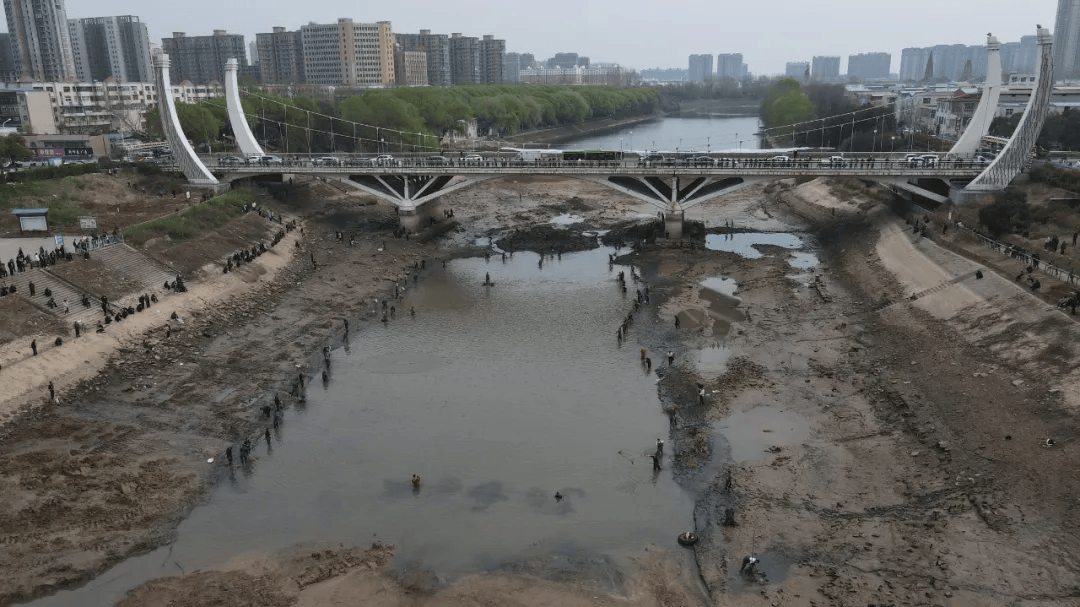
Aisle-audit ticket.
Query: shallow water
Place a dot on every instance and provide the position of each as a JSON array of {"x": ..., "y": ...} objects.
[
  {"x": 749, "y": 434},
  {"x": 497, "y": 397},
  {"x": 745, "y": 243}
]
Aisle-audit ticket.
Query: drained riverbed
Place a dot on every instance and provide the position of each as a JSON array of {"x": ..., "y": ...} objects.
[{"x": 497, "y": 397}]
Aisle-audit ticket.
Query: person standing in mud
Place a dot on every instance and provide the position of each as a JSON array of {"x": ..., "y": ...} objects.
[
  {"x": 655, "y": 463},
  {"x": 677, "y": 323},
  {"x": 659, "y": 448},
  {"x": 33, "y": 346},
  {"x": 52, "y": 392},
  {"x": 228, "y": 455}
]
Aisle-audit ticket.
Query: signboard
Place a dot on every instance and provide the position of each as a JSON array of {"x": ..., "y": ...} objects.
[
  {"x": 59, "y": 238},
  {"x": 50, "y": 152},
  {"x": 79, "y": 152},
  {"x": 33, "y": 224},
  {"x": 88, "y": 223}
]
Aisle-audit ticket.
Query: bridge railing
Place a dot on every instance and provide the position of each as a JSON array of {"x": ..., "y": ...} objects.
[{"x": 759, "y": 166}]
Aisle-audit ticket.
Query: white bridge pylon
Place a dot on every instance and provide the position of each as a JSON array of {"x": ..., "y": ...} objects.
[{"x": 245, "y": 139}]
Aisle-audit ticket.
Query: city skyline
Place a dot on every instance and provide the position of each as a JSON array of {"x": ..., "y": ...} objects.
[{"x": 838, "y": 27}]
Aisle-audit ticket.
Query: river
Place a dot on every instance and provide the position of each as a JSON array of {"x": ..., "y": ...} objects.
[
  {"x": 710, "y": 133},
  {"x": 498, "y": 397}
]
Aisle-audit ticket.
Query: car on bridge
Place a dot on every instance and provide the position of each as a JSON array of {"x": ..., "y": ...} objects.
[
  {"x": 702, "y": 161},
  {"x": 930, "y": 160},
  {"x": 835, "y": 161},
  {"x": 384, "y": 160},
  {"x": 232, "y": 161},
  {"x": 780, "y": 160},
  {"x": 473, "y": 159},
  {"x": 265, "y": 160},
  {"x": 326, "y": 161},
  {"x": 438, "y": 161}
]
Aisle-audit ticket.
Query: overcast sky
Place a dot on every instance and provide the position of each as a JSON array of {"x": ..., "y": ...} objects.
[{"x": 635, "y": 33}]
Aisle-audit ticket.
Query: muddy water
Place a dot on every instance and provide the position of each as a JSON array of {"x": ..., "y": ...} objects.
[{"x": 497, "y": 397}]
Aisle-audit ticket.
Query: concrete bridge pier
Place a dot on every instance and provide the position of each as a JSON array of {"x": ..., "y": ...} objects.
[
  {"x": 418, "y": 218},
  {"x": 673, "y": 224}
]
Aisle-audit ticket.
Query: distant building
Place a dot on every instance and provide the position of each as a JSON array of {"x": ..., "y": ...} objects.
[
  {"x": 491, "y": 60},
  {"x": 348, "y": 53},
  {"x": 464, "y": 59},
  {"x": 869, "y": 66},
  {"x": 596, "y": 74},
  {"x": 563, "y": 60},
  {"x": 253, "y": 52},
  {"x": 410, "y": 68},
  {"x": 583, "y": 62},
  {"x": 437, "y": 49},
  {"x": 1020, "y": 57},
  {"x": 950, "y": 61},
  {"x": 663, "y": 75},
  {"x": 730, "y": 65},
  {"x": 281, "y": 57},
  {"x": 202, "y": 58},
  {"x": 1066, "y": 40},
  {"x": 511, "y": 68},
  {"x": 41, "y": 43},
  {"x": 701, "y": 68},
  {"x": 111, "y": 46},
  {"x": 825, "y": 69},
  {"x": 527, "y": 60},
  {"x": 799, "y": 70}
]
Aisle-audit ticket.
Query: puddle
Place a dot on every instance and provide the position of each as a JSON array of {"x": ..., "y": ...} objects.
[
  {"x": 723, "y": 305},
  {"x": 749, "y": 434},
  {"x": 567, "y": 219},
  {"x": 744, "y": 243},
  {"x": 772, "y": 565},
  {"x": 803, "y": 261},
  {"x": 712, "y": 359},
  {"x": 483, "y": 242}
]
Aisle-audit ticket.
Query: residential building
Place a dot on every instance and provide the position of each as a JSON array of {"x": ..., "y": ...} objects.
[
  {"x": 9, "y": 70},
  {"x": 528, "y": 60},
  {"x": 595, "y": 74},
  {"x": 954, "y": 113},
  {"x": 730, "y": 65},
  {"x": 203, "y": 58},
  {"x": 464, "y": 59},
  {"x": 41, "y": 43},
  {"x": 1066, "y": 40},
  {"x": 1020, "y": 57},
  {"x": 117, "y": 47},
  {"x": 799, "y": 70},
  {"x": 511, "y": 68},
  {"x": 1017, "y": 92},
  {"x": 869, "y": 66},
  {"x": 281, "y": 57},
  {"x": 701, "y": 68},
  {"x": 825, "y": 68},
  {"x": 949, "y": 62},
  {"x": 348, "y": 53},
  {"x": 491, "y": 60},
  {"x": 410, "y": 67},
  {"x": 253, "y": 52},
  {"x": 563, "y": 60},
  {"x": 437, "y": 48}
]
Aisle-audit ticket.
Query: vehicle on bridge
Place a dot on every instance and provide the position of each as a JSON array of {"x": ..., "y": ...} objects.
[
  {"x": 384, "y": 160},
  {"x": 591, "y": 155},
  {"x": 473, "y": 159},
  {"x": 326, "y": 161},
  {"x": 232, "y": 161},
  {"x": 438, "y": 161},
  {"x": 265, "y": 160}
]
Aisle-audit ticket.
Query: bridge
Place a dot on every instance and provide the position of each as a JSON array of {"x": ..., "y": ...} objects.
[{"x": 415, "y": 183}]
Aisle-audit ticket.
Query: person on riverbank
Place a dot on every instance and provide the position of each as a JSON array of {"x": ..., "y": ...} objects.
[
  {"x": 52, "y": 392},
  {"x": 659, "y": 448},
  {"x": 670, "y": 358},
  {"x": 655, "y": 463},
  {"x": 33, "y": 346}
]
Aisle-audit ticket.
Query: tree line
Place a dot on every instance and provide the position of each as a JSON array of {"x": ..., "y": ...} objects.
[{"x": 826, "y": 112}]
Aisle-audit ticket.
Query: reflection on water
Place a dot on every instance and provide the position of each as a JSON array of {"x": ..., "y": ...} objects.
[
  {"x": 496, "y": 397},
  {"x": 712, "y": 359},
  {"x": 699, "y": 133},
  {"x": 803, "y": 260},
  {"x": 744, "y": 243}
]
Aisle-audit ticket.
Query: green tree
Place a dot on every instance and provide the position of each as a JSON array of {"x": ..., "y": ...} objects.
[
  {"x": 13, "y": 147},
  {"x": 1009, "y": 212}
]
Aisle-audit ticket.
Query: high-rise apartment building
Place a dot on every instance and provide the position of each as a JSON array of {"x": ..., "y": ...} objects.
[
  {"x": 437, "y": 48},
  {"x": 111, "y": 46},
  {"x": 730, "y": 65},
  {"x": 563, "y": 60},
  {"x": 41, "y": 43},
  {"x": 1020, "y": 57},
  {"x": 825, "y": 68},
  {"x": 491, "y": 59},
  {"x": 701, "y": 68},
  {"x": 950, "y": 62},
  {"x": 348, "y": 53},
  {"x": 464, "y": 59},
  {"x": 9, "y": 71},
  {"x": 799, "y": 70},
  {"x": 202, "y": 59},
  {"x": 281, "y": 57},
  {"x": 410, "y": 67},
  {"x": 1066, "y": 40},
  {"x": 528, "y": 60},
  {"x": 253, "y": 53},
  {"x": 869, "y": 66},
  {"x": 511, "y": 68}
]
